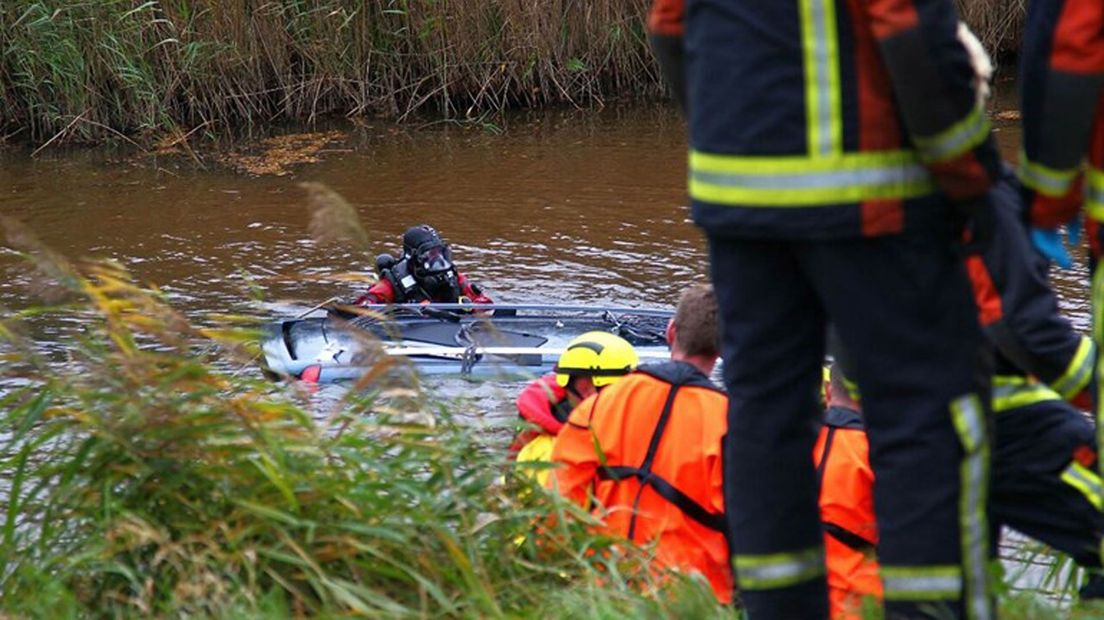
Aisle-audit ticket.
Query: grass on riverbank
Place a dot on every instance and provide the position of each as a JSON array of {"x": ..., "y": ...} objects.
[
  {"x": 88, "y": 68},
  {"x": 95, "y": 69}
]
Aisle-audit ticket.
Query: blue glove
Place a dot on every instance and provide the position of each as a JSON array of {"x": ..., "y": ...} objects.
[{"x": 1049, "y": 242}]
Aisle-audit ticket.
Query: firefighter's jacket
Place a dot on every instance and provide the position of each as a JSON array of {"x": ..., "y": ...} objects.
[
  {"x": 645, "y": 454},
  {"x": 828, "y": 118},
  {"x": 1062, "y": 73}
]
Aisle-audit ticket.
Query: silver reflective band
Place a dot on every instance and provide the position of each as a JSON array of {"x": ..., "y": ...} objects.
[
  {"x": 1085, "y": 481},
  {"x": 779, "y": 570},
  {"x": 1076, "y": 381},
  {"x": 969, "y": 421},
  {"x": 958, "y": 141},
  {"x": 1046, "y": 180},
  {"x": 898, "y": 587},
  {"x": 825, "y": 144},
  {"x": 890, "y": 175},
  {"x": 976, "y": 535}
]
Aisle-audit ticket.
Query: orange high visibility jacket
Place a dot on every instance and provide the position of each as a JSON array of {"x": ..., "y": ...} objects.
[
  {"x": 842, "y": 460},
  {"x": 646, "y": 453}
]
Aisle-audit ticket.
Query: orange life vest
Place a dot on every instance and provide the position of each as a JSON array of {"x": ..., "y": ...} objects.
[
  {"x": 648, "y": 450},
  {"x": 842, "y": 459}
]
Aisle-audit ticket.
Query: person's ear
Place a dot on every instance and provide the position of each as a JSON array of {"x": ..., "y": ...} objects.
[{"x": 671, "y": 331}]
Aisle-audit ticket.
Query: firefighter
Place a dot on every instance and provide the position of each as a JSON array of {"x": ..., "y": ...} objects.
[
  {"x": 1044, "y": 482},
  {"x": 838, "y": 150},
  {"x": 1062, "y": 161},
  {"x": 424, "y": 273},
  {"x": 588, "y": 364},
  {"x": 646, "y": 451}
]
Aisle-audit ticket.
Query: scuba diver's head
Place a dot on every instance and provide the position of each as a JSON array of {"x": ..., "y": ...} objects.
[
  {"x": 599, "y": 356},
  {"x": 430, "y": 261}
]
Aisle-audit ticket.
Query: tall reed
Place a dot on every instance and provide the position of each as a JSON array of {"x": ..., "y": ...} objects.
[
  {"x": 88, "y": 69},
  {"x": 998, "y": 23}
]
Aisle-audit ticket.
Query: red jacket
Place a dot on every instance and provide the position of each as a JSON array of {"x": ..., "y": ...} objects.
[
  {"x": 383, "y": 292},
  {"x": 544, "y": 403}
]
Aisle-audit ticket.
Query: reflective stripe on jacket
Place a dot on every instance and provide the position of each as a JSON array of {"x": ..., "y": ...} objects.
[
  {"x": 648, "y": 450},
  {"x": 796, "y": 113},
  {"x": 841, "y": 455}
]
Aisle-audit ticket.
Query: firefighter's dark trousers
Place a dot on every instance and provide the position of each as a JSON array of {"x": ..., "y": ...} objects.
[
  {"x": 1045, "y": 481},
  {"x": 904, "y": 311}
]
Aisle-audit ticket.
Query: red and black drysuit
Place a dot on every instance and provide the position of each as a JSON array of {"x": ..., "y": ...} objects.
[
  {"x": 398, "y": 286},
  {"x": 836, "y": 147}
]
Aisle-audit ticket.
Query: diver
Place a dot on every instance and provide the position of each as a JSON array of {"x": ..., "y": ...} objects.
[{"x": 423, "y": 274}]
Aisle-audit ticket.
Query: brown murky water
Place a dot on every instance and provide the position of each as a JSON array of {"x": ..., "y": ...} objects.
[
  {"x": 562, "y": 207},
  {"x": 569, "y": 207}
]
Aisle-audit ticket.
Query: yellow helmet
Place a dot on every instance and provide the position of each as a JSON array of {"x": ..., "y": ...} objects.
[{"x": 599, "y": 355}]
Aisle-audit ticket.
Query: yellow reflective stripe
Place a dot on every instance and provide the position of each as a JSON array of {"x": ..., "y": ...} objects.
[
  {"x": 1012, "y": 392},
  {"x": 955, "y": 140},
  {"x": 778, "y": 570},
  {"x": 803, "y": 181},
  {"x": 852, "y": 389},
  {"x": 1079, "y": 371},
  {"x": 1088, "y": 483},
  {"x": 969, "y": 421},
  {"x": 921, "y": 583},
  {"x": 1094, "y": 194},
  {"x": 1043, "y": 179},
  {"x": 1097, "y": 298},
  {"x": 822, "y": 84}
]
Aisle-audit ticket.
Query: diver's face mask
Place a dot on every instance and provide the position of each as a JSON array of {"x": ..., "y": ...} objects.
[{"x": 435, "y": 272}]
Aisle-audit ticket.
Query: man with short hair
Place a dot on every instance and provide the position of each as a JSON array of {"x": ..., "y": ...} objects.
[{"x": 646, "y": 451}]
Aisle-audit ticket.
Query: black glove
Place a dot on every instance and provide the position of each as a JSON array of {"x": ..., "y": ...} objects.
[
  {"x": 669, "y": 53},
  {"x": 975, "y": 222}
]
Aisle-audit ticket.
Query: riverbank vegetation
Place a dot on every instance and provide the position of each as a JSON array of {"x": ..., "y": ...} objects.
[{"x": 82, "y": 70}]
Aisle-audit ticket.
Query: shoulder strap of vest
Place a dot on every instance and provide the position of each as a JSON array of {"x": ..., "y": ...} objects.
[
  {"x": 665, "y": 489},
  {"x": 823, "y": 464}
]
